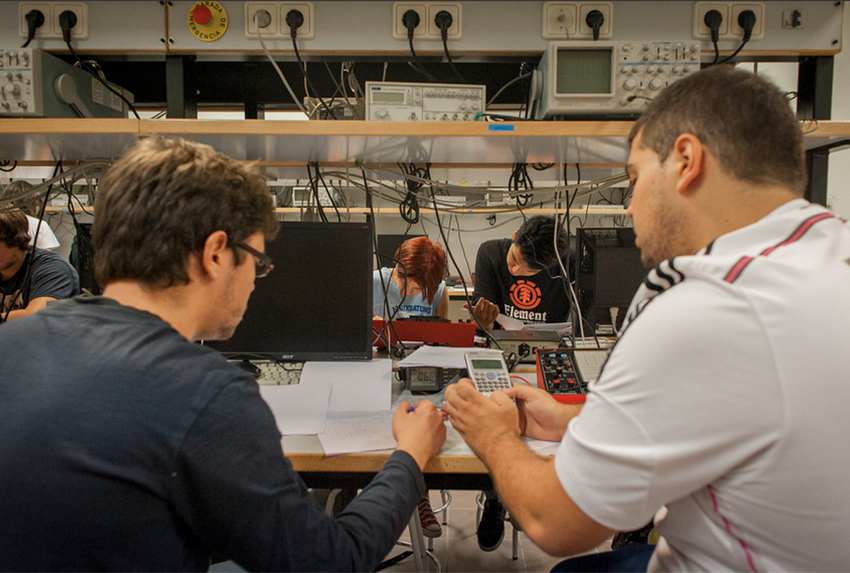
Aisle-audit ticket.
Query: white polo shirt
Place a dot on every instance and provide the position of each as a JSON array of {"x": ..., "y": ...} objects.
[{"x": 725, "y": 401}]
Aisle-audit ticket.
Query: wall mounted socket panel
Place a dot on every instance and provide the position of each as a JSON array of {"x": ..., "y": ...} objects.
[
  {"x": 400, "y": 30},
  {"x": 729, "y": 28},
  {"x": 735, "y": 30},
  {"x": 454, "y": 31},
  {"x": 252, "y": 30},
  {"x": 560, "y": 20},
  {"x": 701, "y": 30},
  {"x": 307, "y": 31},
  {"x": 46, "y": 9},
  {"x": 607, "y": 28},
  {"x": 427, "y": 28},
  {"x": 81, "y": 30},
  {"x": 277, "y": 28},
  {"x": 51, "y": 11}
]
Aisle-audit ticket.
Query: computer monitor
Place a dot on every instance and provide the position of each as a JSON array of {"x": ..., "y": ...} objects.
[
  {"x": 608, "y": 275},
  {"x": 317, "y": 302},
  {"x": 388, "y": 245}
]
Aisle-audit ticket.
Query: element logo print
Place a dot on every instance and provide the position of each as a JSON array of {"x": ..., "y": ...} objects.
[{"x": 525, "y": 294}]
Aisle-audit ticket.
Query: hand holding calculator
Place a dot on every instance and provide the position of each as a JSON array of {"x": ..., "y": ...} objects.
[{"x": 488, "y": 371}]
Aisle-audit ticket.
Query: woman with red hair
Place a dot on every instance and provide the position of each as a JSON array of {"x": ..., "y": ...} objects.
[{"x": 415, "y": 285}]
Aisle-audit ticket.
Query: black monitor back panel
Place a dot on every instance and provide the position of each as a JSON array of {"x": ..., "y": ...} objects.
[
  {"x": 609, "y": 272},
  {"x": 317, "y": 302},
  {"x": 388, "y": 245}
]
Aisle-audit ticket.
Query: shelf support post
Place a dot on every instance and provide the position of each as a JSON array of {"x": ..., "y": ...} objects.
[{"x": 180, "y": 93}]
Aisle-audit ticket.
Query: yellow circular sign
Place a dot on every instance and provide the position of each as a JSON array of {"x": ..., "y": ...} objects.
[{"x": 207, "y": 20}]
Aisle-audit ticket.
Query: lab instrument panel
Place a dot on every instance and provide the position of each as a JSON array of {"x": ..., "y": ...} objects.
[
  {"x": 35, "y": 84},
  {"x": 404, "y": 101}
]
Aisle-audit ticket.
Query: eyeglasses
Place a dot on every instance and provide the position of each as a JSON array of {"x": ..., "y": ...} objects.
[{"x": 264, "y": 263}]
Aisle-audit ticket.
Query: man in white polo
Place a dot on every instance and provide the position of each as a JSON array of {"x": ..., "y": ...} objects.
[{"x": 722, "y": 408}]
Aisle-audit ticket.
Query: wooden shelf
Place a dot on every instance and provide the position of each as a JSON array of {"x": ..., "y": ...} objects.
[
  {"x": 394, "y": 210},
  {"x": 34, "y": 141}
]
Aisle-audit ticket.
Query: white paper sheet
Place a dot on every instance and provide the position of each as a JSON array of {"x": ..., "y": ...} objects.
[
  {"x": 299, "y": 409},
  {"x": 510, "y": 323},
  {"x": 561, "y": 328},
  {"x": 350, "y": 432},
  {"x": 356, "y": 386},
  {"x": 443, "y": 356}
]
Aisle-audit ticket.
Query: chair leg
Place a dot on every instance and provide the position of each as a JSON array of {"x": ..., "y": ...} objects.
[
  {"x": 446, "y": 497},
  {"x": 416, "y": 539},
  {"x": 479, "y": 507},
  {"x": 515, "y": 540}
]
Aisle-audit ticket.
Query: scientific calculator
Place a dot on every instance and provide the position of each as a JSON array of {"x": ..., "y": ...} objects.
[{"x": 488, "y": 371}]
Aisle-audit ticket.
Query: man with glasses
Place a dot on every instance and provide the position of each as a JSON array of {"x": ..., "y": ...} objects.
[{"x": 124, "y": 446}]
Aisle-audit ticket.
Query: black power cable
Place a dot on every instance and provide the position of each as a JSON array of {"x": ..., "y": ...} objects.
[
  {"x": 35, "y": 20},
  {"x": 594, "y": 19},
  {"x": 454, "y": 262},
  {"x": 388, "y": 324},
  {"x": 313, "y": 182},
  {"x": 295, "y": 19},
  {"x": 507, "y": 85},
  {"x": 329, "y": 192},
  {"x": 519, "y": 180},
  {"x": 410, "y": 19},
  {"x": 713, "y": 19},
  {"x": 747, "y": 21},
  {"x": 409, "y": 207},
  {"x": 67, "y": 20},
  {"x": 444, "y": 20}
]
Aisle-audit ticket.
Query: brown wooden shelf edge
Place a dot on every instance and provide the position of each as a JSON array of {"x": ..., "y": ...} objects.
[
  {"x": 40, "y": 140},
  {"x": 373, "y": 462}
]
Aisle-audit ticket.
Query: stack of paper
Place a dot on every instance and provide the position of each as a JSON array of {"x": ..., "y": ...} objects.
[{"x": 442, "y": 356}]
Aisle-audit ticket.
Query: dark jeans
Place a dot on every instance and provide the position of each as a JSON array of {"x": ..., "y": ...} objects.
[{"x": 634, "y": 557}]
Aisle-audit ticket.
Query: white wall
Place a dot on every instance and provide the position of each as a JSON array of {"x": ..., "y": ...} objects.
[{"x": 839, "y": 161}]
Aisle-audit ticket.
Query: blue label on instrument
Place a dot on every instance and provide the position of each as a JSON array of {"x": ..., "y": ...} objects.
[{"x": 500, "y": 127}]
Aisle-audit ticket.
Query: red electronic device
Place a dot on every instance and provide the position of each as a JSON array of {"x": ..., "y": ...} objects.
[
  {"x": 558, "y": 374},
  {"x": 456, "y": 334}
]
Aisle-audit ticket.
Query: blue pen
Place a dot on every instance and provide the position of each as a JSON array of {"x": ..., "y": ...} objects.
[{"x": 411, "y": 409}]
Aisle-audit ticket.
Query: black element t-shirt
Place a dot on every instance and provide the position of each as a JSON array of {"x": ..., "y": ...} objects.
[
  {"x": 125, "y": 447},
  {"x": 540, "y": 298}
]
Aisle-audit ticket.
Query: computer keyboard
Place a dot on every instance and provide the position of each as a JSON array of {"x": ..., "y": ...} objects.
[{"x": 279, "y": 373}]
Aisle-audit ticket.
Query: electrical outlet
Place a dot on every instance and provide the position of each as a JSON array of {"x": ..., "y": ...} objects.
[
  {"x": 46, "y": 9},
  {"x": 81, "y": 30},
  {"x": 729, "y": 29},
  {"x": 399, "y": 29},
  {"x": 607, "y": 28},
  {"x": 735, "y": 30},
  {"x": 703, "y": 32},
  {"x": 307, "y": 30},
  {"x": 454, "y": 32},
  {"x": 51, "y": 11},
  {"x": 560, "y": 20},
  {"x": 272, "y": 30}
]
